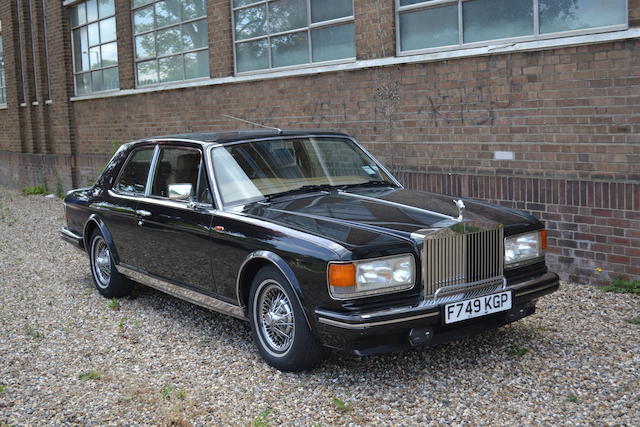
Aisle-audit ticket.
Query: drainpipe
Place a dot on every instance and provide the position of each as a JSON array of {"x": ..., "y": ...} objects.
[{"x": 48, "y": 101}]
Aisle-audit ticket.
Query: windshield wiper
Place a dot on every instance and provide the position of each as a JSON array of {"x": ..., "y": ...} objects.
[
  {"x": 373, "y": 183},
  {"x": 303, "y": 189}
]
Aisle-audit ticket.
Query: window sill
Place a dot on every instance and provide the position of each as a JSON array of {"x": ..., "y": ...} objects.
[
  {"x": 382, "y": 62},
  {"x": 3, "y": 106}
]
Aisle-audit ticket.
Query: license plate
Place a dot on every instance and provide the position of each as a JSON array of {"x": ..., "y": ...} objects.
[{"x": 476, "y": 307}]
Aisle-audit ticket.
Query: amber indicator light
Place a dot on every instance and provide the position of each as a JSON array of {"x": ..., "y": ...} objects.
[
  {"x": 342, "y": 275},
  {"x": 543, "y": 239}
]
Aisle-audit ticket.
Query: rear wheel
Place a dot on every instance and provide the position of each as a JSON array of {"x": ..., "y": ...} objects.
[
  {"x": 107, "y": 280},
  {"x": 278, "y": 324}
]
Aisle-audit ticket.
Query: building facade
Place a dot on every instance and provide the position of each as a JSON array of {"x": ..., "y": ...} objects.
[{"x": 533, "y": 104}]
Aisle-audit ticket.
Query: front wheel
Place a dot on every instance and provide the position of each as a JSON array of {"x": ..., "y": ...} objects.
[
  {"x": 278, "y": 324},
  {"x": 108, "y": 281}
]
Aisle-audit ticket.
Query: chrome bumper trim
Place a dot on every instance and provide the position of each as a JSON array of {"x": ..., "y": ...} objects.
[
  {"x": 68, "y": 233},
  {"x": 183, "y": 293},
  {"x": 539, "y": 288},
  {"x": 531, "y": 282},
  {"x": 366, "y": 325}
]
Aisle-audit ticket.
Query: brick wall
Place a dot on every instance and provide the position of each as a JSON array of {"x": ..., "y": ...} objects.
[{"x": 570, "y": 116}]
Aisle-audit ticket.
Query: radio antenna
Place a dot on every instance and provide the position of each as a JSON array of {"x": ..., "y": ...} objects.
[{"x": 253, "y": 123}]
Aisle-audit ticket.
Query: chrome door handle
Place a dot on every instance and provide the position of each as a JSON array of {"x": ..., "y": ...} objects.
[{"x": 142, "y": 212}]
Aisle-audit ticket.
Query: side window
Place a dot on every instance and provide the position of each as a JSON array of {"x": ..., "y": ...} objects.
[
  {"x": 176, "y": 166},
  {"x": 133, "y": 177}
]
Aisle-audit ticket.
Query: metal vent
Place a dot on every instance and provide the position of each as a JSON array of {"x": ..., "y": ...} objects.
[{"x": 464, "y": 258}]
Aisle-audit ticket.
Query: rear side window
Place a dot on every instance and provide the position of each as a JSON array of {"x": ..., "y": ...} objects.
[
  {"x": 176, "y": 166},
  {"x": 133, "y": 178}
]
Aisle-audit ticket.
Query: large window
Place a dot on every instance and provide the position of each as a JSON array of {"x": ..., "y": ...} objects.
[
  {"x": 3, "y": 85},
  {"x": 441, "y": 24},
  {"x": 95, "y": 50},
  {"x": 171, "y": 40},
  {"x": 281, "y": 33}
]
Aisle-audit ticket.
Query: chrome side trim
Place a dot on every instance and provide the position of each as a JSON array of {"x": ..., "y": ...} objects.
[
  {"x": 69, "y": 233},
  {"x": 161, "y": 202},
  {"x": 367, "y": 325},
  {"x": 183, "y": 293}
]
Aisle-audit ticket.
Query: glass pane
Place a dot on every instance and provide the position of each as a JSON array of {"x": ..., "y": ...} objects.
[
  {"x": 429, "y": 28},
  {"x": 94, "y": 34},
  {"x": 287, "y": 15},
  {"x": 171, "y": 68},
  {"x": 565, "y": 15},
  {"x": 238, "y": 3},
  {"x": 94, "y": 57},
  {"x": 111, "y": 79},
  {"x": 496, "y": 19},
  {"x": 78, "y": 15},
  {"x": 323, "y": 10},
  {"x": 133, "y": 178},
  {"x": 252, "y": 55},
  {"x": 143, "y": 19},
  {"x": 83, "y": 83},
  {"x": 96, "y": 81},
  {"x": 196, "y": 64},
  {"x": 194, "y": 35},
  {"x": 410, "y": 2},
  {"x": 289, "y": 49},
  {"x": 251, "y": 22},
  {"x": 169, "y": 41},
  {"x": 146, "y": 45},
  {"x": 192, "y": 9},
  {"x": 81, "y": 49},
  {"x": 109, "y": 54},
  {"x": 147, "y": 73},
  {"x": 336, "y": 42},
  {"x": 137, "y": 3},
  {"x": 168, "y": 12},
  {"x": 106, "y": 8},
  {"x": 92, "y": 10},
  {"x": 108, "y": 30}
]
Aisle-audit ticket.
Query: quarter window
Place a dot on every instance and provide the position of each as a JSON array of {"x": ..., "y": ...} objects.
[
  {"x": 133, "y": 178},
  {"x": 171, "y": 40},
  {"x": 441, "y": 24},
  {"x": 281, "y": 33},
  {"x": 95, "y": 50},
  {"x": 3, "y": 85}
]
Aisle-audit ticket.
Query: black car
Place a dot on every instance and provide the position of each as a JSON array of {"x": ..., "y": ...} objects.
[{"x": 309, "y": 238}]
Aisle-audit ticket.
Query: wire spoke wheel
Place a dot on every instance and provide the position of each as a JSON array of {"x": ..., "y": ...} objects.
[
  {"x": 275, "y": 317},
  {"x": 101, "y": 262}
]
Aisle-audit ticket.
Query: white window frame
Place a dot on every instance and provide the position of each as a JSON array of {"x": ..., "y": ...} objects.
[
  {"x": 461, "y": 45},
  {"x": 73, "y": 55},
  {"x": 3, "y": 79},
  {"x": 311, "y": 26},
  {"x": 157, "y": 57}
]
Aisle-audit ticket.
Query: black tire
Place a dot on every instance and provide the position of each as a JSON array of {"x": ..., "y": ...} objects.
[
  {"x": 301, "y": 350},
  {"x": 107, "y": 280}
]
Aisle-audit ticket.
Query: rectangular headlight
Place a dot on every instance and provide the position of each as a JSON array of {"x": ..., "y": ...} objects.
[
  {"x": 524, "y": 247},
  {"x": 371, "y": 277}
]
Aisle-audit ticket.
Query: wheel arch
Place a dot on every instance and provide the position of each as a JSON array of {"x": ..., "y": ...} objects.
[
  {"x": 95, "y": 223},
  {"x": 250, "y": 267}
]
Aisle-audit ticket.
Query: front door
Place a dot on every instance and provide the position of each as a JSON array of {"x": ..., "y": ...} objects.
[{"x": 176, "y": 220}]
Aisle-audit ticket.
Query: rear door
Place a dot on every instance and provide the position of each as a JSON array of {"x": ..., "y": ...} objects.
[{"x": 175, "y": 228}]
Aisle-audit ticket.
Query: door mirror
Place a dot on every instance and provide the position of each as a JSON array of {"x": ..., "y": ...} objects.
[{"x": 180, "y": 191}]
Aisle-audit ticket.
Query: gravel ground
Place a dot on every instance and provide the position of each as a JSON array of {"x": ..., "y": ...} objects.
[{"x": 67, "y": 357}]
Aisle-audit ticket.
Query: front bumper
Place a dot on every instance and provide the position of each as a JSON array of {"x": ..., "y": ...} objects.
[{"x": 391, "y": 329}]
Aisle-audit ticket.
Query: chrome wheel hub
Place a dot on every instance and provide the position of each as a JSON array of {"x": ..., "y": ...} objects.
[
  {"x": 275, "y": 317},
  {"x": 101, "y": 262}
]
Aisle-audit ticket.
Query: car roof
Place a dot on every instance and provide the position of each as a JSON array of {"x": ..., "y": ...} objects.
[{"x": 225, "y": 137}]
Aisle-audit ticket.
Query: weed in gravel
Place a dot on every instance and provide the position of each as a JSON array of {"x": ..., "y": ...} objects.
[
  {"x": 519, "y": 350},
  {"x": 621, "y": 286},
  {"x": 137, "y": 324},
  {"x": 33, "y": 331},
  {"x": 5, "y": 215},
  {"x": 342, "y": 407},
  {"x": 633, "y": 320},
  {"x": 122, "y": 323},
  {"x": 572, "y": 398},
  {"x": 262, "y": 419},
  {"x": 89, "y": 375},
  {"x": 114, "y": 304},
  {"x": 171, "y": 390},
  {"x": 3, "y": 387},
  {"x": 35, "y": 190}
]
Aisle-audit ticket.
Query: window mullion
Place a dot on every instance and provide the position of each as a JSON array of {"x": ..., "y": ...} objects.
[
  {"x": 536, "y": 18},
  {"x": 460, "y": 24},
  {"x": 309, "y": 31}
]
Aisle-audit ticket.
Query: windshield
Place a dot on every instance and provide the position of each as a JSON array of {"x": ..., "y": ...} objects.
[{"x": 255, "y": 170}]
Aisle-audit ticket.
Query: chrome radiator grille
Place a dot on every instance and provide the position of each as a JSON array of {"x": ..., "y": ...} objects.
[{"x": 462, "y": 261}]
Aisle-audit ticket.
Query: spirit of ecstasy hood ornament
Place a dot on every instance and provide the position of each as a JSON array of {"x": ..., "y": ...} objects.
[{"x": 460, "y": 204}]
